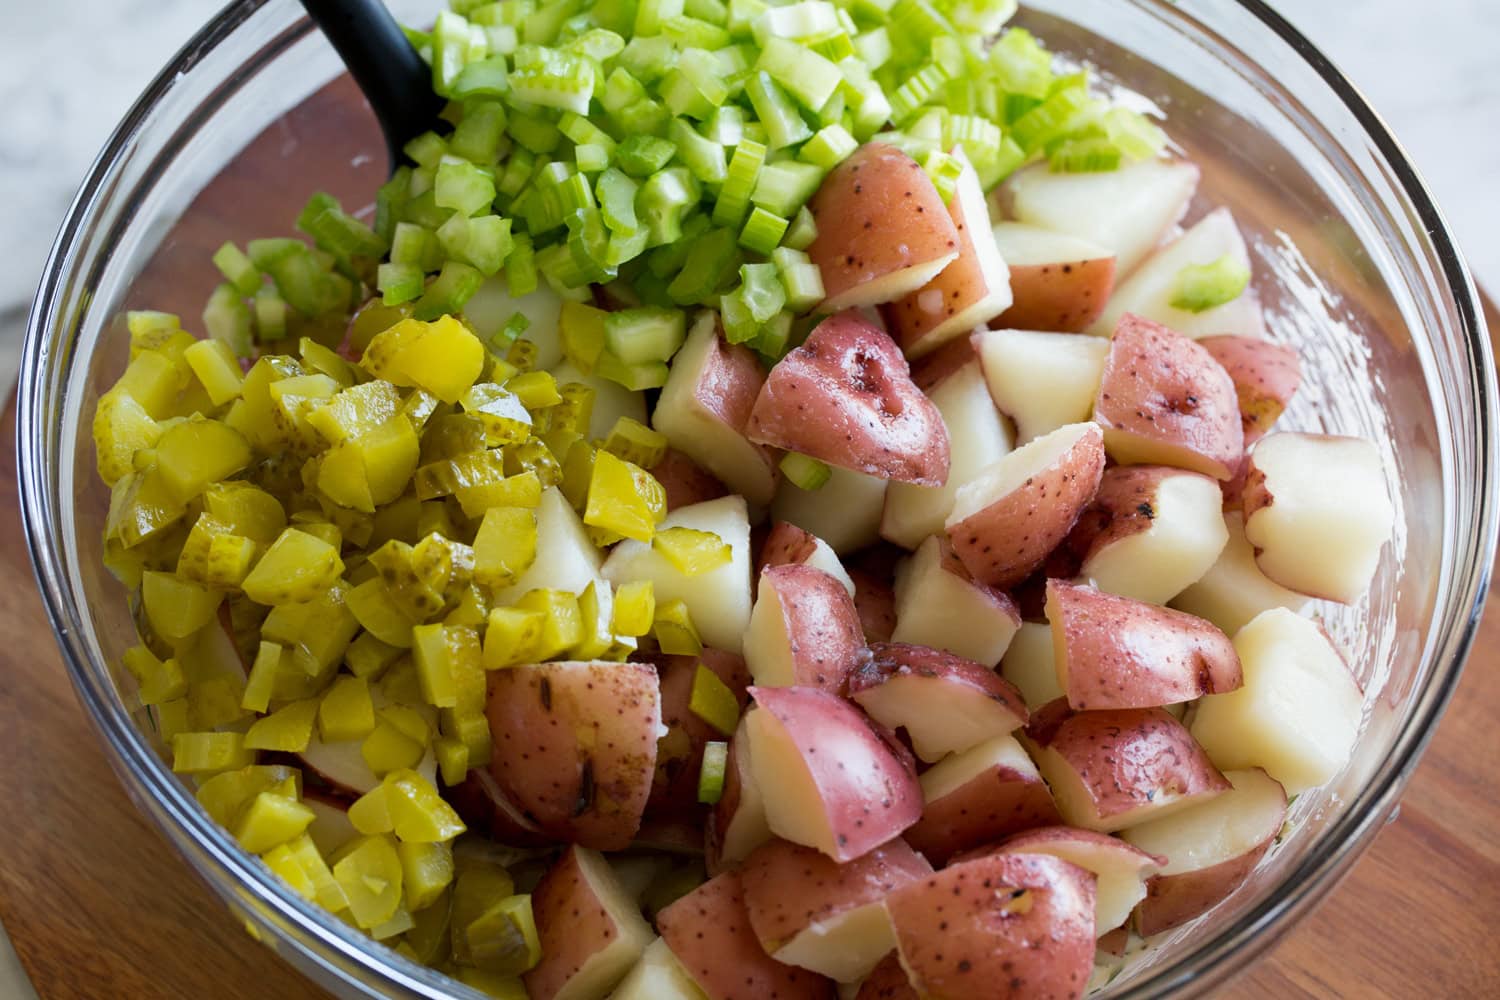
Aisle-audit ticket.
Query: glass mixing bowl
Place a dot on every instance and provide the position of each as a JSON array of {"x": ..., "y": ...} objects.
[{"x": 1352, "y": 260}]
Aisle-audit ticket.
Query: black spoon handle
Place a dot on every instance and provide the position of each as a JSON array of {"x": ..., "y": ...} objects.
[{"x": 393, "y": 77}]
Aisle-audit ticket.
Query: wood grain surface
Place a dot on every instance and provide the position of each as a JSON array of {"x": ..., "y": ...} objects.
[{"x": 98, "y": 905}]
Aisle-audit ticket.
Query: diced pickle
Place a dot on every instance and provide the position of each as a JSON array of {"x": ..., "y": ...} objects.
[
  {"x": 346, "y": 712},
  {"x": 225, "y": 796},
  {"x": 214, "y": 555},
  {"x": 380, "y": 614},
  {"x": 533, "y": 455},
  {"x": 575, "y": 408},
  {"x": 293, "y": 400},
  {"x": 390, "y": 452},
  {"x": 496, "y": 985},
  {"x": 451, "y": 435},
  {"x": 692, "y": 552},
  {"x": 521, "y": 490},
  {"x": 522, "y": 355},
  {"x": 428, "y": 937},
  {"x": 370, "y": 814},
  {"x": 367, "y": 656},
  {"x": 387, "y": 749},
  {"x": 140, "y": 508},
  {"x": 562, "y": 626},
  {"x": 313, "y": 523},
  {"x": 511, "y": 636},
  {"x": 369, "y": 872},
  {"x": 634, "y": 608},
  {"x": 595, "y": 612},
  {"x": 261, "y": 681},
  {"x": 417, "y": 589},
  {"x": 288, "y": 729},
  {"x": 246, "y": 509},
  {"x": 418, "y": 812},
  {"x": 122, "y": 429},
  {"x": 624, "y": 498},
  {"x": 504, "y": 938},
  {"x": 439, "y": 650},
  {"x": 674, "y": 630},
  {"x": 177, "y": 608},
  {"x": 581, "y": 328},
  {"x": 171, "y": 719},
  {"x": 505, "y": 546},
  {"x": 472, "y": 608},
  {"x": 215, "y": 703},
  {"x": 149, "y": 329},
  {"x": 501, "y": 412},
  {"x": 297, "y": 567},
  {"x": 270, "y": 820},
  {"x": 478, "y": 884},
  {"x": 436, "y": 517},
  {"x": 216, "y": 368},
  {"x": 427, "y": 872},
  {"x": 302, "y": 852},
  {"x": 442, "y": 356},
  {"x": 451, "y": 475},
  {"x": 452, "y": 758},
  {"x": 712, "y": 701},
  {"x": 578, "y": 472},
  {"x": 158, "y": 680},
  {"x": 634, "y": 442},
  {"x": 206, "y": 753},
  {"x": 153, "y": 380},
  {"x": 536, "y": 390},
  {"x": 342, "y": 477},
  {"x": 318, "y": 358}
]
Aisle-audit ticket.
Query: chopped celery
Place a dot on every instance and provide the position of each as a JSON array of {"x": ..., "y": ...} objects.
[
  {"x": 692, "y": 552},
  {"x": 711, "y": 776},
  {"x": 762, "y": 231},
  {"x": 226, "y": 317},
  {"x": 803, "y": 472},
  {"x": 645, "y": 334},
  {"x": 1204, "y": 286}
]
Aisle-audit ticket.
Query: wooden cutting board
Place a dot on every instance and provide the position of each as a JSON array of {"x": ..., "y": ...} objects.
[{"x": 98, "y": 905}]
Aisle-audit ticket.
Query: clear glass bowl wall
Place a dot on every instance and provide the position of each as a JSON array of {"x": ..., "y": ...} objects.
[{"x": 1352, "y": 262}]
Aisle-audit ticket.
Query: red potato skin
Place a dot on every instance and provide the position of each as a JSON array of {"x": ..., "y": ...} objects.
[
  {"x": 1173, "y": 900},
  {"x": 1122, "y": 653},
  {"x": 685, "y": 481},
  {"x": 877, "y": 213},
  {"x": 789, "y": 887},
  {"x": 679, "y": 754},
  {"x": 486, "y": 809},
  {"x": 548, "y": 722},
  {"x": 570, "y": 924},
  {"x": 869, "y": 788},
  {"x": 1004, "y": 542},
  {"x": 846, "y": 397},
  {"x": 887, "y": 982},
  {"x": 1007, "y": 925},
  {"x": 993, "y": 804},
  {"x": 786, "y": 545},
  {"x": 891, "y": 660},
  {"x": 822, "y": 625},
  {"x": 1124, "y": 505},
  {"x": 929, "y": 371},
  {"x": 951, "y": 563},
  {"x": 875, "y": 600},
  {"x": 1265, "y": 377},
  {"x": 1066, "y": 296},
  {"x": 1121, "y": 753},
  {"x": 1163, "y": 390},
  {"x": 710, "y": 933}
]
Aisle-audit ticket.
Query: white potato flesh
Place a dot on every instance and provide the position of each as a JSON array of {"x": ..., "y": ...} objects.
[
  {"x": 1225, "y": 827},
  {"x": 956, "y": 770},
  {"x": 566, "y": 559},
  {"x": 1299, "y": 711},
  {"x": 1150, "y": 290},
  {"x": 491, "y": 307},
  {"x": 1234, "y": 590},
  {"x": 846, "y": 946},
  {"x": 658, "y": 976},
  {"x": 1030, "y": 664},
  {"x": 845, "y": 511},
  {"x": 939, "y": 608},
  {"x": 718, "y": 601},
  {"x": 611, "y": 399},
  {"x": 1024, "y": 246},
  {"x": 1126, "y": 211},
  {"x": 1007, "y": 475},
  {"x": 796, "y": 812},
  {"x": 1328, "y": 515},
  {"x": 824, "y": 558},
  {"x": 1186, "y": 536},
  {"x": 1120, "y": 872},
  {"x": 616, "y": 956},
  {"x": 1042, "y": 381},
  {"x": 977, "y": 436}
]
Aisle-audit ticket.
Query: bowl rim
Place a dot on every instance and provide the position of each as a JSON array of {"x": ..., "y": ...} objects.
[{"x": 330, "y": 944}]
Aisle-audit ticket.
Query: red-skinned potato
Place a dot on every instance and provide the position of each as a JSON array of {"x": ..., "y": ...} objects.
[
  {"x": 978, "y": 796},
  {"x": 862, "y": 204},
  {"x": 737, "y": 825},
  {"x": 591, "y": 930},
  {"x": 804, "y": 630},
  {"x": 657, "y": 976},
  {"x": 1126, "y": 211},
  {"x": 1317, "y": 512},
  {"x": 1265, "y": 377},
  {"x": 1149, "y": 292},
  {"x": 977, "y": 436},
  {"x": 1000, "y": 926},
  {"x": 931, "y": 370},
  {"x": 1113, "y": 769},
  {"x": 1121, "y": 870},
  {"x": 846, "y": 397},
  {"x": 1164, "y": 400},
  {"x": 946, "y": 703},
  {"x": 1208, "y": 850},
  {"x": 875, "y": 600},
  {"x": 887, "y": 981},
  {"x": 827, "y": 778},
  {"x": 1151, "y": 532},
  {"x": 788, "y": 545},
  {"x": 1113, "y": 652},
  {"x": 486, "y": 809},
  {"x": 575, "y": 746},
  {"x": 705, "y": 406},
  {"x": 1007, "y": 519},
  {"x": 1299, "y": 711},
  {"x": 685, "y": 481},
  {"x": 939, "y": 604},
  {"x": 679, "y": 753},
  {"x": 710, "y": 933},
  {"x": 1058, "y": 282},
  {"x": 1042, "y": 381},
  {"x": 969, "y": 292},
  {"x": 1234, "y": 590},
  {"x": 811, "y": 912}
]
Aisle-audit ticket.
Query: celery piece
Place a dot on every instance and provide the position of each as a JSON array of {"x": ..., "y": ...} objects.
[
  {"x": 764, "y": 296},
  {"x": 829, "y": 147},
  {"x": 703, "y": 157},
  {"x": 346, "y": 711},
  {"x": 644, "y": 334},
  {"x": 663, "y": 201},
  {"x": 642, "y": 156},
  {"x": 636, "y": 377},
  {"x": 370, "y": 874},
  {"x": 511, "y": 637},
  {"x": 288, "y": 729},
  {"x": 762, "y": 231},
  {"x": 711, "y": 775},
  {"x": 1204, "y": 286},
  {"x": 802, "y": 72},
  {"x": 674, "y": 629},
  {"x": 776, "y": 111},
  {"x": 455, "y": 284},
  {"x": 271, "y": 820},
  {"x": 227, "y": 318},
  {"x": 712, "y": 260},
  {"x": 479, "y": 134},
  {"x": 803, "y": 472},
  {"x": 784, "y": 187},
  {"x": 237, "y": 269},
  {"x": 418, "y": 813},
  {"x": 634, "y": 608},
  {"x": 801, "y": 279},
  {"x": 692, "y": 552},
  {"x": 1083, "y": 156}
]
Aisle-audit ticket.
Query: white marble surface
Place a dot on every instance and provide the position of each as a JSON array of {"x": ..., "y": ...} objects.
[{"x": 70, "y": 68}]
